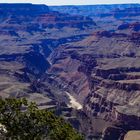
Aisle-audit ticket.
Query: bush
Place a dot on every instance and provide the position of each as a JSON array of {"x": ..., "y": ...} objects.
[{"x": 24, "y": 121}]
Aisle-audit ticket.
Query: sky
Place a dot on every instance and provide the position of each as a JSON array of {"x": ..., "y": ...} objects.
[{"x": 70, "y": 2}]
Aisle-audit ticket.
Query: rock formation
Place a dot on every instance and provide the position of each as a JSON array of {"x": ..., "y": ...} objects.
[{"x": 46, "y": 52}]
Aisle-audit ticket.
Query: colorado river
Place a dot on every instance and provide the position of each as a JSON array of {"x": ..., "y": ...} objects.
[{"x": 73, "y": 102}]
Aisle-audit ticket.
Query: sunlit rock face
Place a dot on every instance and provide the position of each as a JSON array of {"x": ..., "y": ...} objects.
[{"x": 132, "y": 135}]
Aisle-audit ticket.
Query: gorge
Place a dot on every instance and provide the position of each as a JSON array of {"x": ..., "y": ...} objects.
[{"x": 81, "y": 61}]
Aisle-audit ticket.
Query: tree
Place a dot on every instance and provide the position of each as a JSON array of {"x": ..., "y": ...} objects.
[{"x": 24, "y": 121}]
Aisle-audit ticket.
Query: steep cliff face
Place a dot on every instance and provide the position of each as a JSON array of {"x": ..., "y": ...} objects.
[
  {"x": 29, "y": 34},
  {"x": 71, "y": 72},
  {"x": 108, "y": 63}
]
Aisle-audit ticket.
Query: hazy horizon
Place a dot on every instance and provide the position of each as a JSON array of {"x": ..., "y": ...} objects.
[{"x": 72, "y": 2}]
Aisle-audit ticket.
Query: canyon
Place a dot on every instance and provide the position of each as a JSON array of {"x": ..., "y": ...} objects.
[{"x": 81, "y": 61}]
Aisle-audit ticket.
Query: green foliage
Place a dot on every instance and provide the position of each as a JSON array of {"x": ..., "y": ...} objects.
[{"x": 24, "y": 121}]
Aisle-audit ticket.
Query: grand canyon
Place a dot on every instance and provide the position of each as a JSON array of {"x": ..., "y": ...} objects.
[{"x": 81, "y": 61}]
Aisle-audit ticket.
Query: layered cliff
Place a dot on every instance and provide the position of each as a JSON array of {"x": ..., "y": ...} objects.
[
  {"x": 29, "y": 33},
  {"x": 104, "y": 69},
  {"x": 61, "y": 60}
]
